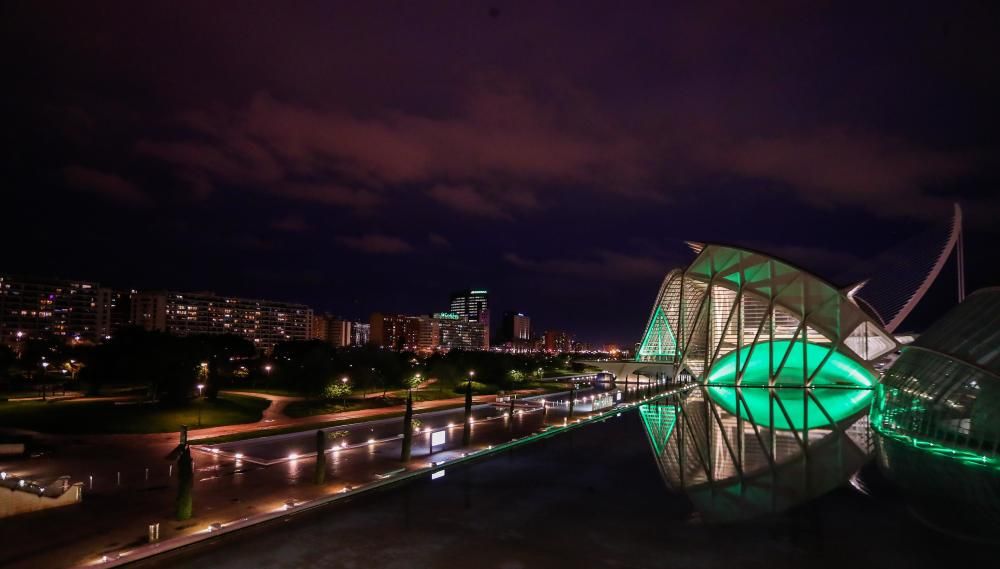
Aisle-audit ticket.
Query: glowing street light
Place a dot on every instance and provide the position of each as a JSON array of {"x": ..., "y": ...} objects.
[{"x": 343, "y": 381}]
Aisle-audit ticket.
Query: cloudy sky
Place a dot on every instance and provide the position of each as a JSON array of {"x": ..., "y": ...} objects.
[{"x": 377, "y": 155}]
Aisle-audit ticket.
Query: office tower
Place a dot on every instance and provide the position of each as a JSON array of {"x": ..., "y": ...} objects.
[{"x": 473, "y": 305}]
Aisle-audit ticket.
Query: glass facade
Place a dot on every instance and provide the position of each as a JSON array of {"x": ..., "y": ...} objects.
[
  {"x": 781, "y": 365},
  {"x": 473, "y": 305},
  {"x": 937, "y": 417}
]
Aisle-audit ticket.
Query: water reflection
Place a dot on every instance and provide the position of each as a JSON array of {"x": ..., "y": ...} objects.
[{"x": 733, "y": 468}]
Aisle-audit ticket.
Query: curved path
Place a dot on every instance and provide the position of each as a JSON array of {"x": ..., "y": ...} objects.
[
  {"x": 274, "y": 411},
  {"x": 275, "y": 419}
]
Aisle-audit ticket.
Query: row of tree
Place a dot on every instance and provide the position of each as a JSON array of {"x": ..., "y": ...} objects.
[{"x": 171, "y": 367}]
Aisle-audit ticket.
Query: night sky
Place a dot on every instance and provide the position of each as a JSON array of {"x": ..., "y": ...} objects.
[{"x": 378, "y": 155}]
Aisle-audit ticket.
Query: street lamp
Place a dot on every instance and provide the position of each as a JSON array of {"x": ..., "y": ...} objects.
[
  {"x": 45, "y": 368},
  {"x": 344, "y": 381},
  {"x": 200, "y": 387}
]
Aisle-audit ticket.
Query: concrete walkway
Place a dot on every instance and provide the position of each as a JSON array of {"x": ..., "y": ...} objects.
[{"x": 274, "y": 411}]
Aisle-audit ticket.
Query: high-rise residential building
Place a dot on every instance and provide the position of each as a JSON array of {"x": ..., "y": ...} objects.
[
  {"x": 516, "y": 326},
  {"x": 557, "y": 341},
  {"x": 266, "y": 323},
  {"x": 332, "y": 329},
  {"x": 473, "y": 305},
  {"x": 119, "y": 306},
  {"x": 515, "y": 332},
  {"x": 394, "y": 331},
  {"x": 320, "y": 329},
  {"x": 360, "y": 333},
  {"x": 33, "y": 307},
  {"x": 339, "y": 332}
]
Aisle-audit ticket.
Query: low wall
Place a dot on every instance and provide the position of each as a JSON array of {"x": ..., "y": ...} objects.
[{"x": 17, "y": 498}]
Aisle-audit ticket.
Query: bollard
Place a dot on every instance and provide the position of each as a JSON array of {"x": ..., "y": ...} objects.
[
  {"x": 170, "y": 472},
  {"x": 119, "y": 478},
  {"x": 91, "y": 481},
  {"x": 147, "y": 475},
  {"x": 154, "y": 532}
]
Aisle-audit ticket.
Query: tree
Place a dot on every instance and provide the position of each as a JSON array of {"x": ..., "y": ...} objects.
[
  {"x": 467, "y": 431},
  {"x": 185, "y": 484},
  {"x": 517, "y": 376},
  {"x": 337, "y": 389},
  {"x": 407, "y": 428},
  {"x": 320, "y": 476}
]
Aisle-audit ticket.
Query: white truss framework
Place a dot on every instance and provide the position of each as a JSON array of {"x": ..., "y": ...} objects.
[{"x": 730, "y": 298}]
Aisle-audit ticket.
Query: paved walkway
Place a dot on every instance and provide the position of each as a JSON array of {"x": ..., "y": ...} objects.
[{"x": 274, "y": 411}]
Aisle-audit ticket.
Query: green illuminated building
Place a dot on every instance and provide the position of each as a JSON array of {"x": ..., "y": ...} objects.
[
  {"x": 782, "y": 363},
  {"x": 937, "y": 416}
]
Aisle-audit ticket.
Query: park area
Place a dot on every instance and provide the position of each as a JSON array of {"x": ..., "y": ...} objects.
[{"x": 96, "y": 416}]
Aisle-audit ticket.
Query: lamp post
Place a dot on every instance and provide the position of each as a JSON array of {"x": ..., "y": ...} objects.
[
  {"x": 200, "y": 387},
  {"x": 343, "y": 382},
  {"x": 467, "y": 431},
  {"x": 45, "y": 369}
]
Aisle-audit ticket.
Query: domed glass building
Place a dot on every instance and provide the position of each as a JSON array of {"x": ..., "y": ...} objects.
[
  {"x": 937, "y": 416},
  {"x": 781, "y": 370}
]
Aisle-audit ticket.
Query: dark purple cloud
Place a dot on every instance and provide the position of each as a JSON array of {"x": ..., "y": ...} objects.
[
  {"x": 557, "y": 153},
  {"x": 110, "y": 186},
  {"x": 376, "y": 244}
]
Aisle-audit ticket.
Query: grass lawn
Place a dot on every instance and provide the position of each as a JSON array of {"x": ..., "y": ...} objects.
[
  {"x": 311, "y": 407},
  {"x": 106, "y": 417},
  {"x": 266, "y": 390},
  {"x": 547, "y": 386}
]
